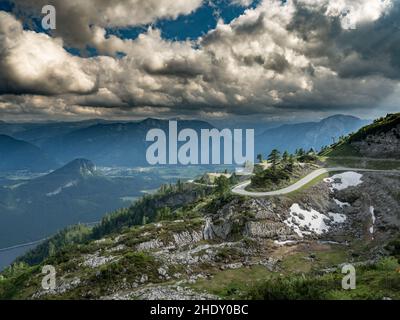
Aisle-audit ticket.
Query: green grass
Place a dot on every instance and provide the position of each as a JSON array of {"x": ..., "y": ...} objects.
[
  {"x": 372, "y": 283},
  {"x": 344, "y": 147},
  {"x": 381, "y": 125},
  {"x": 300, "y": 191},
  {"x": 230, "y": 284},
  {"x": 342, "y": 150},
  {"x": 296, "y": 263},
  {"x": 300, "y": 262}
]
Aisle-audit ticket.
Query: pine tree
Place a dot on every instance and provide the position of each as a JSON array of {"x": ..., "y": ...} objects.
[
  {"x": 274, "y": 158},
  {"x": 300, "y": 152},
  {"x": 164, "y": 214},
  {"x": 179, "y": 185},
  {"x": 285, "y": 157},
  {"x": 52, "y": 249},
  {"x": 222, "y": 185},
  {"x": 291, "y": 162}
]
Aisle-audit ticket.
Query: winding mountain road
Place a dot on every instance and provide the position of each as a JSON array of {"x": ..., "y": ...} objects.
[{"x": 241, "y": 188}]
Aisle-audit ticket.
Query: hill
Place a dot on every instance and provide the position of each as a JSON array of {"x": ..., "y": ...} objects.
[
  {"x": 308, "y": 135},
  {"x": 33, "y": 209},
  {"x": 377, "y": 140},
  {"x": 20, "y": 155}
]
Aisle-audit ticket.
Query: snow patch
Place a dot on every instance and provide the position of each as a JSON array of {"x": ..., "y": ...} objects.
[
  {"x": 59, "y": 190},
  {"x": 342, "y": 204},
  {"x": 305, "y": 222},
  {"x": 284, "y": 243},
  {"x": 344, "y": 180},
  {"x": 329, "y": 242},
  {"x": 338, "y": 218},
  {"x": 372, "y": 211}
]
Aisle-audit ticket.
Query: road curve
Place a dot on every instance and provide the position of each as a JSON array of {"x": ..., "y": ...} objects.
[{"x": 241, "y": 188}]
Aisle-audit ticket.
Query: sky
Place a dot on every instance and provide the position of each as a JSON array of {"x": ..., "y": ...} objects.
[{"x": 249, "y": 60}]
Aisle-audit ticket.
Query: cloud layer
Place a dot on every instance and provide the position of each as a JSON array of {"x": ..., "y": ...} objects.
[{"x": 275, "y": 59}]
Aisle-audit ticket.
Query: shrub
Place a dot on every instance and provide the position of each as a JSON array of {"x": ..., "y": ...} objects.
[
  {"x": 294, "y": 288},
  {"x": 394, "y": 248},
  {"x": 388, "y": 264}
]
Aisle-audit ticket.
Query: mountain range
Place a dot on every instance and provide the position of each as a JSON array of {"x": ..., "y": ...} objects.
[
  {"x": 308, "y": 135},
  {"x": 113, "y": 144}
]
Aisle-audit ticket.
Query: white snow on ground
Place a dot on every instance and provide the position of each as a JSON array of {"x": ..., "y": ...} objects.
[
  {"x": 59, "y": 190},
  {"x": 372, "y": 211},
  {"x": 344, "y": 180},
  {"x": 341, "y": 204},
  {"x": 283, "y": 243},
  {"x": 305, "y": 222},
  {"x": 338, "y": 218}
]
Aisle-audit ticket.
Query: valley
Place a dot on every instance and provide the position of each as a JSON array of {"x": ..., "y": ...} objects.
[{"x": 86, "y": 197}]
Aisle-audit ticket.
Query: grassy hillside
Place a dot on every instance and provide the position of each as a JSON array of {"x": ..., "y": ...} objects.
[
  {"x": 145, "y": 210},
  {"x": 345, "y": 146},
  {"x": 381, "y": 125}
]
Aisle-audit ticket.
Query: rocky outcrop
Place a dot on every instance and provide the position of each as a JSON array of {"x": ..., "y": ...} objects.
[
  {"x": 269, "y": 230},
  {"x": 63, "y": 286},
  {"x": 96, "y": 260},
  {"x": 149, "y": 245},
  {"x": 380, "y": 192},
  {"x": 382, "y": 145},
  {"x": 187, "y": 237},
  {"x": 171, "y": 293},
  {"x": 252, "y": 217},
  {"x": 215, "y": 230},
  {"x": 205, "y": 253}
]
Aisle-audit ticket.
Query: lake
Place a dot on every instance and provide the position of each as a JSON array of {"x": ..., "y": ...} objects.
[{"x": 7, "y": 257}]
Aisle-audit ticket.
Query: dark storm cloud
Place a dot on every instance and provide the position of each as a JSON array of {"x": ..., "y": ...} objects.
[
  {"x": 176, "y": 68},
  {"x": 276, "y": 58}
]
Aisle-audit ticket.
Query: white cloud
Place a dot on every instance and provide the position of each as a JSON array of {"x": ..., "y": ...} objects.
[
  {"x": 274, "y": 59},
  {"x": 79, "y": 22},
  {"x": 35, "y": 63}
]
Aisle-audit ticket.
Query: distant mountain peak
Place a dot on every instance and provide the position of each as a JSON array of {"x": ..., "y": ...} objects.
[
  {"x": 309, "y": 134},
  {"x": 81, "y": 167},
  {"x": 340, "y": 117},
  {"x": 151, "y": 121},
  {"x": 8, "y": 138}
]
